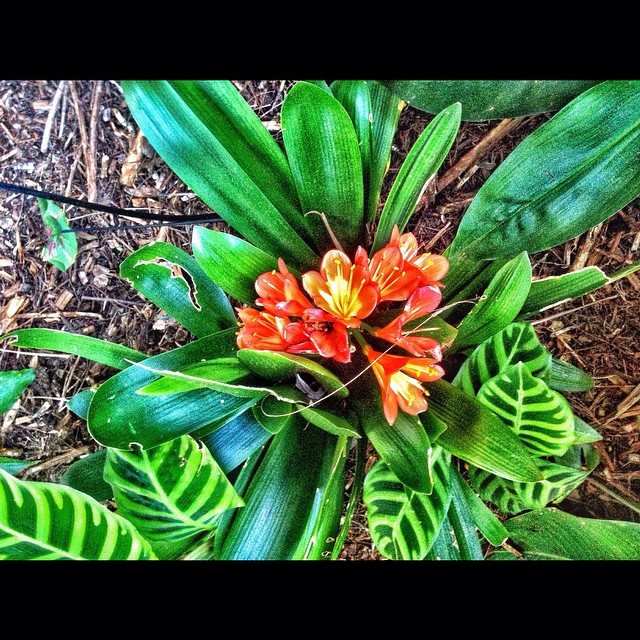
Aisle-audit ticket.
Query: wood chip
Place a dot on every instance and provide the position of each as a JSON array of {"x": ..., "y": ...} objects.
[
  {"x": 131, "y": 165},
  {"x": 63, "y": 299}
]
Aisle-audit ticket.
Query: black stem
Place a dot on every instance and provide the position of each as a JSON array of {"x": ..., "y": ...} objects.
[{"x": 141, "y": 215}]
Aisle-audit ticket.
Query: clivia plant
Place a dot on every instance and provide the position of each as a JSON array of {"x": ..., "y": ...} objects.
[{"x": 320, "y": 325}]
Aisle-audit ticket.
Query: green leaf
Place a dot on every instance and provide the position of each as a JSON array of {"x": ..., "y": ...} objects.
[
  {"x": 570, "y": 174},
  {"x": 551, "y": 534},
  {"x": 462, "y": 523},
  {"x": 44, "y": 521},
  {"x": 12, "y": 384},
  {"x": 328, "y": 421},
  {"x": 489, "y": 99},
  {"x": 322, "y": 148},
  {"x": 404, "y": 446},
  {"x": 14, "y": 465},
  {"x": 278, "y": 366},
  {"x": 583, "y": 432},
  {"x": 476, "y": 435},
  {"x": 486, "y": 521},
  {"x": 232, "y": 263},
  {"x": 107, "y": 353},
  {"x": 517, "y": 342},
  {"x": 87, "y": 475},
  {"x": 300, "y": 476},
  {"x": 386, "y": 109},
  {"x": 355, "y": 97},
  {"x": 119, "y": 416},
  {"x": 566, "y": 377},
  {"x": 499, "y": 304},
  {"x": 549, "y": 292},
  {"x": 210, "y": 137},
  {"x": 174, "y": 281},
  {"x": 421, "y": 164},
  {"x": 236, "y": 441},
  {"x": 61, "y": 248},
  {"x": 273, "y": 414},
  {"x": 79, "y": 403},
  {"x": 173, "y": 493},
  {"x": 404, "y": 523},
  {"x": 541, "y": 417},
  {"x": 514, "y": 497}
]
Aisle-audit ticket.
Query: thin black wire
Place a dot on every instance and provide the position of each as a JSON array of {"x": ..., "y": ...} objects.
[{"x": 141, "y": 215}]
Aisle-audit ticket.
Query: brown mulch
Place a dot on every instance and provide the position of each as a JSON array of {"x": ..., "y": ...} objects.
[{"x": 89, "y": 147}]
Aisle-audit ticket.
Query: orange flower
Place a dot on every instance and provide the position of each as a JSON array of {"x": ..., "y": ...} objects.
[
  {"x": 424, "y": 300},
  {"x": 280, "y": 294},
  {"x": 396, "y": 278},
  {"x": 261, "y": 331},
  {"x": 400, "y": 382},
  {"x": 432, "y": 267},
  {"x": 342, "y": 288},
  {"x": 320, "y": 333}
]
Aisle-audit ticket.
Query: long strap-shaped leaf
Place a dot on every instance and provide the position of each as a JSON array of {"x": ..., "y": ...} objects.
[
  {"x": 421, "y": 164},
  {"x": 322, "y": 148},
  {"x": 44, "y": 521},
  {"x": 291, "y": 498},
  {"x": 232, "y": 174},
  {"x": 570, "y": 174},
  {"x": 173, "y": 493}
]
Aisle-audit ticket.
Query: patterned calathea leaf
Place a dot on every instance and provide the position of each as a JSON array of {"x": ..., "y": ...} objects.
[
  {"x": 541, "y": 417},
  {"x": 174, "y": 493},
  {"x": 404, "y": 524},
  {"x": 514, "y": 497},
  {"x": 45, "y": 521},
  {"x": 517, "y": 342}
]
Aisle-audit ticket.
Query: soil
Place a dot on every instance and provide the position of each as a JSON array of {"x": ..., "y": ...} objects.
[{"x": 89, "y": 147}]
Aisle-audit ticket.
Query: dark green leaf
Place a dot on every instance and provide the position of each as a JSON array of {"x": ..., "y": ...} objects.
[
  {"x": 107, "y": 353},
  {"x": 570, "y": 174},
  {"x": 476, "y": 435},
  {"x": 420, "y": 165},
  {"x": 404, "y": 446},
  {"x": 236, "y": 441},
  {"x": 486, "y": 521},
  {"x": 278, "y": 366},
  {"x": 174, "y": 281},
  {"x": 567, "y": 377},
  {"x": 232, "y": 263},
  {"x": 323, "y": 152},
  {"x": 14, "y": 465},
  {"x": 79, "y": 404},
  {"x": 549, "y": 292},
  {"x": 461, "y": 519},
  {"x": 273, "y": 414},
  {"x": 12, "y": 384},
  {"x": 87, "y": 475},
  {"x": 286, "y": 497},
  {"x": 119, "y": 416},
  {"x": 489, "y": 99},
  {"x": 550, "y": 534},
  {"x": 213, "y": 141},
  {"x": 45, "y": 521},
  {"x": 330, "y": 422},
  {"x": 499, "y": 304},
  {"x": 61, "y": 248}
]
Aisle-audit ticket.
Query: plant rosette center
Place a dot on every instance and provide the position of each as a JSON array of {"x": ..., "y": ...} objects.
[{"x": 326, "y": 317}]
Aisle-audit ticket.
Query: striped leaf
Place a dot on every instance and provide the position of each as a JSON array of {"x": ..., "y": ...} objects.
[
  {"x": 514, "y": 497},
  {"x": 541, "y": 417},
  {"x": 43, "y": 521},
  {"x": 174, "y": 493},
  {"x": 404, "y": 524},
  {"x": 517, "y": 342}
]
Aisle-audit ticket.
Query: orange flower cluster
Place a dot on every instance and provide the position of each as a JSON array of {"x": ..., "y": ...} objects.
[{"x": 338, "y": 298}]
